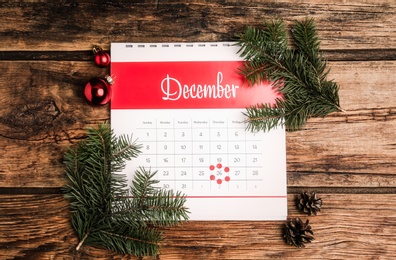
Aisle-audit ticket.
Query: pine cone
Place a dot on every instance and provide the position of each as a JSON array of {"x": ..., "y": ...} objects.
[
  {"x": 309, "y": 203},
  {"x": 296, "y": 233}
]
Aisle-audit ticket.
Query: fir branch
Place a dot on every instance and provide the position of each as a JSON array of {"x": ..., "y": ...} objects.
[
  {"x": 103, "y": 214},
  {"x": 300, "y": 75},
  {"x": 260, "y": 46},
  {"x": 264, "y": 117}
]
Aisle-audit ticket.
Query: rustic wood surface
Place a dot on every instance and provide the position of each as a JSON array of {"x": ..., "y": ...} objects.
[{"x": 348, "y": 158}]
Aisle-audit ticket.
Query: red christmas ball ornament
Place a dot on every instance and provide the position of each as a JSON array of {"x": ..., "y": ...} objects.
[
  {"x": 98, "y": 90},
  {"x": 102, "y": 58}
]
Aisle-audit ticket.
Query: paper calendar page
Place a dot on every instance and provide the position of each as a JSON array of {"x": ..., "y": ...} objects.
[{"x": 183, "y": 102}]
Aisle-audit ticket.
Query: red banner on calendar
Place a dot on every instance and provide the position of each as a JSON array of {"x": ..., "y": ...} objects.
[{"x": 179, "y": 85}]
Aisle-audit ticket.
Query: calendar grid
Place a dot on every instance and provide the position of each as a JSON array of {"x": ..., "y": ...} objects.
[
  {"x": 213, "y": 155},
  {"x": 180, "y": 154}
]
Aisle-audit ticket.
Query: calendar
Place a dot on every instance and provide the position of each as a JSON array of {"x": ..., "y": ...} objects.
[{"x": 184, "y": 104}]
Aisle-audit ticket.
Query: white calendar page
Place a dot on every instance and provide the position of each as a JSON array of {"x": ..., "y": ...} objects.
[{"x": 183, "y": 102}]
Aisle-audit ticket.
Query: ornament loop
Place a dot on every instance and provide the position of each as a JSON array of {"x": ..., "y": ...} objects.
[
  {"x": 109, "y": 79},
  {"x": 96, "y": 49}
]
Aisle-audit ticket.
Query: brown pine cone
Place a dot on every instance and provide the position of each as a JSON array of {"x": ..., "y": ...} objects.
[
  {"x": 308, "y": 203},
  {"x": 297, "y": 233}
]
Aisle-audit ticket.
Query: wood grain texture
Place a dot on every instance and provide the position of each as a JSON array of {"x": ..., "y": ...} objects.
[
  {"x": 349, "y": 157},
  {"x": 72, "y": 25},
  {"x": 350, "y": 226},
  {"x": 34, "y": 227},
  {"x": 42, "y": 114}
]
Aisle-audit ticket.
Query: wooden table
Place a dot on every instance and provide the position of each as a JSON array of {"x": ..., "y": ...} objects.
[{"x": 347, "y": 158}]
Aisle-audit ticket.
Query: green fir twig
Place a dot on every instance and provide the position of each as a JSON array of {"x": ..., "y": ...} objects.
[
  {"x": 299, "y": 74},
  {"x": 103, "y": 211}
]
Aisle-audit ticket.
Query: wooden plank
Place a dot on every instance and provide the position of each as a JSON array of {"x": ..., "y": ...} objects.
[
  {"x": 43, "y": 111},
  {"x": 354, "y": 154},
  {"x": 360, "y": 141},
  {"x": 365, "y": 85},
  {"x": 347, "y": 226},
  {"x": 330, "y": 55},
  {"x": 77, "y": 26},
  {"x": 37, "y": 226}
]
